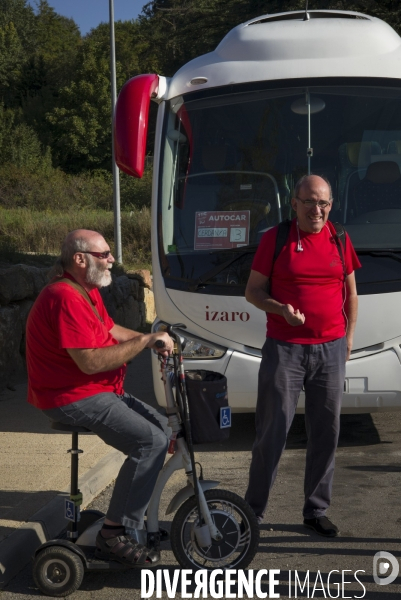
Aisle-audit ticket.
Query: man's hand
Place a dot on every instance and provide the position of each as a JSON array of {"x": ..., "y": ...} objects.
[
  {"x": 257, "y": 295},
  {"x": 293, "y": 317},
  {"x": 162, "y": 336}
]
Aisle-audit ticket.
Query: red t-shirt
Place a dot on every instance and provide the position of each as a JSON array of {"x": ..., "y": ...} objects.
[
  {"x": 311, "y": 281},
  {"x": 61, "y": 318}
]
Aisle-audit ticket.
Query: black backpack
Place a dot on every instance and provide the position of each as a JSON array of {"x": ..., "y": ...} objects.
[{"x": 284, "y": 231}]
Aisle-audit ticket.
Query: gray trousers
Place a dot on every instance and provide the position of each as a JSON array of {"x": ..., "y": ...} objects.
[
  {"x": 135, "y": 429},
  {"x": 284, "y": 370}
]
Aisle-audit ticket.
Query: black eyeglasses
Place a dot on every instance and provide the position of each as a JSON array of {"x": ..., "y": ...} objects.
[
  {"x": 309, "y": 203},
  {"x": 105, "y": 254}
]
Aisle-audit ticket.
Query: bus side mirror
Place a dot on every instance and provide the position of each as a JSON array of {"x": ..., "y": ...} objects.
[{"x": 130, "y": 126}]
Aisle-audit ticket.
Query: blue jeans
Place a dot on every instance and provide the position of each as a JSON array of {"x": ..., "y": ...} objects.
[
  {"x": 285, "y": 369},
  {"x": 135, "y": 429}
]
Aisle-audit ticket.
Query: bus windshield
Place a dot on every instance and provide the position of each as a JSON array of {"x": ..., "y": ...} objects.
[{"x": 230, "y": 161}]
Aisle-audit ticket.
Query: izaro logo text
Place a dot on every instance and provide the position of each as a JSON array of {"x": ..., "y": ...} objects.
[{"x": 223, "y": 315}]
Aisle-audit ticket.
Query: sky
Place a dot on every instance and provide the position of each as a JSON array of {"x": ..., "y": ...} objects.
[{"x": 89, "y": 13}]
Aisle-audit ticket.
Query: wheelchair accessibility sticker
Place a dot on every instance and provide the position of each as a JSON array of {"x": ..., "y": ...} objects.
[
  {"x": 69, "y": 513},
  {"x": 225, "y": 417}
]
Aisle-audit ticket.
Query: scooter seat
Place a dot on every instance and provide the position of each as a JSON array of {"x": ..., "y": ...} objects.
[{"x": 69, "y": 428}]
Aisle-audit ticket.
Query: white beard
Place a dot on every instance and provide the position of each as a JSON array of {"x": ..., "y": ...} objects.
[{"x": 97, "y": 275}]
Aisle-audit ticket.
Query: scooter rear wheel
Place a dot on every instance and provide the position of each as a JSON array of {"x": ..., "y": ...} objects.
[
  {"x": 57, "y": 571},
  {"x": 236, "y": 523}
]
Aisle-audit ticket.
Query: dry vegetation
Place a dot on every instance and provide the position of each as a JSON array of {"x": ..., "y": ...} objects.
[
  {"x": 23, "y": 230},
  {"x": 37, "y": 210}
]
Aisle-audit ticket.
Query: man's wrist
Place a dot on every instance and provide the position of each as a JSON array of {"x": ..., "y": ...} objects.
[{"x": 146, "y": 340}]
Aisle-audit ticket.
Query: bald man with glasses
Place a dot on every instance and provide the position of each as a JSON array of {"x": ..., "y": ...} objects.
[
  {"x": 309, "y": 296},
  {"x": 76, "y": 359}
]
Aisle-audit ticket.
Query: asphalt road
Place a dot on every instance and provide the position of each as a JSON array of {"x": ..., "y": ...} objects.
[{"x": 365, "y": 506}]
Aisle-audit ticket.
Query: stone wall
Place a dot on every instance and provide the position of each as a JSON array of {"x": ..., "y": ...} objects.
[{"x": 129, "y": 301}]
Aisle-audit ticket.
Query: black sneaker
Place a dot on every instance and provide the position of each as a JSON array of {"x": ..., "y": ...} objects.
[{"x": 322, "y": 526}]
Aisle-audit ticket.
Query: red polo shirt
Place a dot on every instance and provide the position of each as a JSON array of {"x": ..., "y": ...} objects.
[
  {"x": 311, "y": 281},
  {"x": 61, "y": 318}
]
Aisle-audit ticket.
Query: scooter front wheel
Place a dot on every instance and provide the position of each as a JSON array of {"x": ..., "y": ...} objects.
[
  {"x": 237, "y": 526},
  {"x": 57, "y": 571}
]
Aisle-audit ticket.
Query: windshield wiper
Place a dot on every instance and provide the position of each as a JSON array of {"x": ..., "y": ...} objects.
[{"x": 193, "y": 287}]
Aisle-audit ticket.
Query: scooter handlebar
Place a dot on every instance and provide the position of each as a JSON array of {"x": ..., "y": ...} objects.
[
  {"x": 176, "y": 335},
  {"x": 170, "y": 329}
]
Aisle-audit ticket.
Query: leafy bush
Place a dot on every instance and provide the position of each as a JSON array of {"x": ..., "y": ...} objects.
[
  {"x": 136, "y": 193},
  {"x": 55, "y": 190}
]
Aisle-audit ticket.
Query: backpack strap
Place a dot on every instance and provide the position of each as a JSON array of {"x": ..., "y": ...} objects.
[
  {"x": 340, "y": 231},
  {"x": 283, "y": 231},
  {"x": 82, "y": 291},
  {"x": 340, "y": 239}
]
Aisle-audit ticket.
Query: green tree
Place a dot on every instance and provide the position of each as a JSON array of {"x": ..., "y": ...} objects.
[
  {"x": 11, "y": 55},
  {"x": 50, "y": 67},
  {"x": 22, "y": 16},
  {"x": 37, "y": 57},
  {"x": 16, "y": 43},
  {"x": 81, "y": 123},
  {"x": 130, "y": 44},
  {"x": 25, "y": 150},
  {"x": 57, "y": 40},
  {"x": 20, "y": 145}
]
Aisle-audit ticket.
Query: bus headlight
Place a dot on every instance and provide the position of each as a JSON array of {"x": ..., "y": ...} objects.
[
  {"x": 198, "y": 348},
  {"x": 195, "y": 347}
]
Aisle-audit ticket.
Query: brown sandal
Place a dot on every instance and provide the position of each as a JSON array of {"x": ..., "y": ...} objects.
[{"x": 125, "y": 551}]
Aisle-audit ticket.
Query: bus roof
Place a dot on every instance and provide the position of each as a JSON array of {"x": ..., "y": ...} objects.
[{"x": 285, "y": 46}]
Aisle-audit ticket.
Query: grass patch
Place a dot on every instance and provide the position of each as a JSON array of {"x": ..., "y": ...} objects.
[{"x": 24, "y": 231}]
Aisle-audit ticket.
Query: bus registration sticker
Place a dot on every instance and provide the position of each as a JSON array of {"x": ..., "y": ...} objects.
[{"x": 221, "y": 229}]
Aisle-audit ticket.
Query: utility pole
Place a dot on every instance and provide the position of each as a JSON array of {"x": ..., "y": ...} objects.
[{"x": 116, "y": 171}]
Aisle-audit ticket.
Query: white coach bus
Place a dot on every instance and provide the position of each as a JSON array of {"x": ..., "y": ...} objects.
[{"x": 282, "y": 95}]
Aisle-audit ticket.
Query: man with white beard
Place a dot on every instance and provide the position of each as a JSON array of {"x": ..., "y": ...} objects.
[{"x": 76, "y": 359}]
